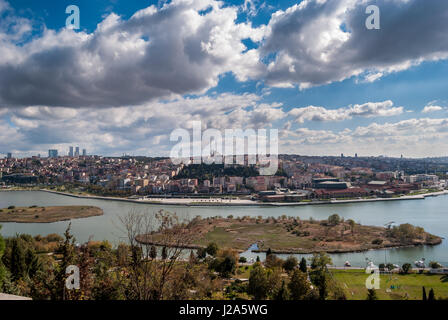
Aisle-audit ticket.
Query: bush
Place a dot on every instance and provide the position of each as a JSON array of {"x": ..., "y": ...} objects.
[
  {"x": 334, "y": 219},
  {"x": 406, "y": 268},
  {"x": 11, "y": 207},
  {"x": 290, "y": 263},
  {"x": 242, "y": 260},
  {"x": 212, "y": 249},
  {"x": 377, "y": 241},
  {"x": 435, "y": 265}
]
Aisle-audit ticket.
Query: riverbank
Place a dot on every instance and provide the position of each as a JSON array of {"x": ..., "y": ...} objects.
[
  {"x": 35, "y": 214},
  {"x": 196, "y": 202}
]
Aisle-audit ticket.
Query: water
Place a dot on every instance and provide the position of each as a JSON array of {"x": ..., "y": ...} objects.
[{"x": 431, "y": 214}]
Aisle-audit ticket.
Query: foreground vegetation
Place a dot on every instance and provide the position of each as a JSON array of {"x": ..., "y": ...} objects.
[
  {"x": 36, "y": 267},
  {"x": 35, "y": 214}
]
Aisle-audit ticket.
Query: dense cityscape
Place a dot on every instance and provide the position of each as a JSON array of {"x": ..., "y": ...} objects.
[{"x": 298, "y": 177}]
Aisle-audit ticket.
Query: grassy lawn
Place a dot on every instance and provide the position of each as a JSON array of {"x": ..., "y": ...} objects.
[{"x": 405, "y": 286}]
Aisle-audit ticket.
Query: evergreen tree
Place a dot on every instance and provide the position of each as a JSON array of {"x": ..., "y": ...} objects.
[
  {"x": 431, "y": 296},
  {"x": 2, "y": 267},
  {"x": 424, "y": 294},
  {"x": 164, "y": 253},
  {"x": 153, "y": 252},
  {"x": 302, "y": 265},
  {"x": 298, "y": 286},
  {"x": 371, "y": 294},
  {"x": 282, "y": 294},
  {"x": 67, "y": 249},
  {"x": 258, "y": 282},
  {"x": 17, "y": 263}
]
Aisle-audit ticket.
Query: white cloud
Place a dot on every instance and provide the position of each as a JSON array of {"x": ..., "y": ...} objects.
[
  {"x": 157, "y": 53},
  {"x": 318, "y": 42},
  {"x": 369, "y": 109},
  {"x": 429, "y": 109}
]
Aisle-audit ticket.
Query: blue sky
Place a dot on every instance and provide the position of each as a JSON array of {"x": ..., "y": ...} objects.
[{"x": 312, "y": 70}]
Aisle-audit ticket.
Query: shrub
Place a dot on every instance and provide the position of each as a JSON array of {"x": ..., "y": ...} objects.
[
  {"x": 290, "y": 263},
  {"x": 377, "y": 241},
  {"x": 334, "y": 219},
  {"x": 406, "y": 268},
  {"x": 212, "y": 249},
  {"x": 435, "y": 265},
  {"x": 11, "y": 207},
  {"x": 242, "y": 260}
]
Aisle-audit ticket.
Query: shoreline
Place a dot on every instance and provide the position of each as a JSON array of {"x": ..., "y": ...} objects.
[{"x": 191, "y": 202}]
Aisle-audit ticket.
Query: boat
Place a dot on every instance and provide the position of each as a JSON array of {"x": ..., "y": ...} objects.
[
  {"x": 420, "y": 263},
  {"x": 347, "y": 264}
]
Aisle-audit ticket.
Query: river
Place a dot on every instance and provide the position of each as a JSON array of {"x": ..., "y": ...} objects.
[{"x": 430, "y": 213}]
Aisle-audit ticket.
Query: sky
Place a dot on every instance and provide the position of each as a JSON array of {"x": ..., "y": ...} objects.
[{"x": 137, "y": 70}]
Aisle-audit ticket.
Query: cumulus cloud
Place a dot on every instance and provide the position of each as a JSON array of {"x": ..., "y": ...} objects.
[
  {"x": 412, "y": 137},
  {"x": 158, "y": 53},
  {"x": 430, "y": 108},
  {"x": 369, "y": 109},
  {"x": 142, "y": 129},
  {"x": 318, "y": 41}
]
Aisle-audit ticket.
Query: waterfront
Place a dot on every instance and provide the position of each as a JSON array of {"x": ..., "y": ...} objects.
[{"x": 430, "y": 214}]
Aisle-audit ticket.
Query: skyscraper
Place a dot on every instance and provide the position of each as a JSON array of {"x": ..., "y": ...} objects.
[
  {"x": 52, "y": 153},
  {"x": 9, "y": 155},
  {"x": 84, "y": 152},
  {"x": 70, "y": 153},
  {"x": 77, "y": 152}
]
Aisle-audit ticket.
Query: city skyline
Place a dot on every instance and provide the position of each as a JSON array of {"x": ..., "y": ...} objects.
[{"x": 352, "y": 93}]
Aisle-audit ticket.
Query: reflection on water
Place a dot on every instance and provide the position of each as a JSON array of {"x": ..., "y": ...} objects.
[{"x": 430, "y": 214}]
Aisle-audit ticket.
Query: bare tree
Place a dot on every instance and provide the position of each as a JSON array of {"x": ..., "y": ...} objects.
[{"x": 149, "y": 274}]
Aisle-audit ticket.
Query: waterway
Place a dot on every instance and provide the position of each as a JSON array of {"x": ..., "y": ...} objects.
[{"x": 430, "y": 213}]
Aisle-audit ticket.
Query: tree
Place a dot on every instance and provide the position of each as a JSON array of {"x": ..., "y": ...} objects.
[
  {"x": 201, "y": 253},
  {"x": 334, "y": 219},
  {"x": 153, "y": 252},
  {"x": 242, "y": 260},
  {"x": 212, "y": 249},
  {"x": 67, "y": 249},
  {"x": 290, "y": 263},
  {"x": 320, "y": 260},
  {"x": 298, "y": 286},
  {"x": 225, "y": 263},
  {"x": 431, "y": 296},
  {"x": 258, "y": 282},
  {"x": 424, "y": 294},
  {"x": 405, "y": 268},
  {"x": 17, "y": 264},
  {"x": 371, "y": 295},
  {"x": 2, "y": 267},
  {"x": 282, "y": 294},
  {"x": 150, "y": 278},
  {"x": 268, "y": 252},
  {"x": 319, "y": 276},
  {"x": 352, "y": 224},
  {"x": 302, "y": 265}
]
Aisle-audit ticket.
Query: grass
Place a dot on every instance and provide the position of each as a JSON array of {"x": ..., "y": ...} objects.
[
  {"x": 405, "y": 286},
  {"x": 47, "y": 214}
]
